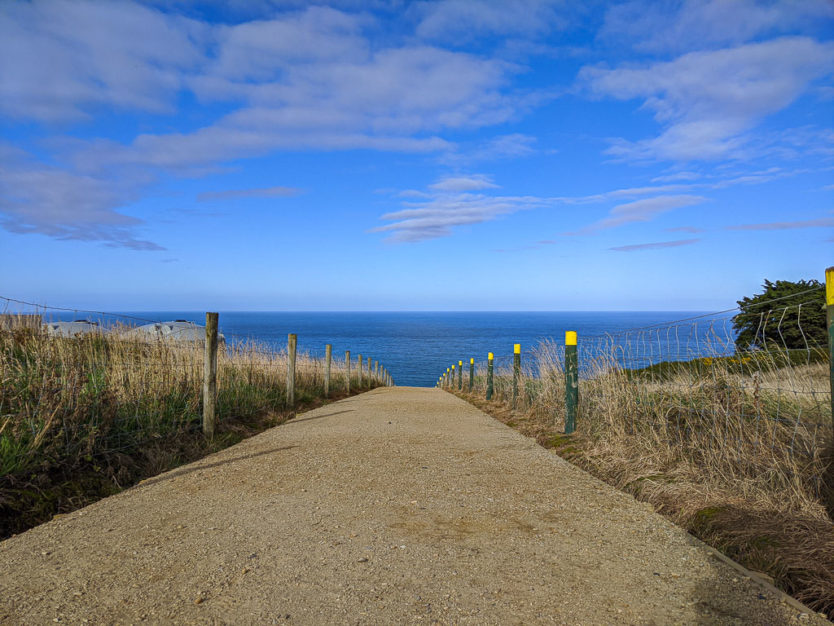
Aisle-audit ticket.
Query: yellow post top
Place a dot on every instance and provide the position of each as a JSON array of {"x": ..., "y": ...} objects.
[
  {"x": 460, "y": 362},
  {"x": 490, "y": 357},
  {"x": 517, "y": 348},
  {"x": 570, "y": 338},
  {"x": 829, "y": 286},
  {"x": 447, "y": 369},
  {"x": 471, "y": 360},
  {"x": 453, "y": 366}
]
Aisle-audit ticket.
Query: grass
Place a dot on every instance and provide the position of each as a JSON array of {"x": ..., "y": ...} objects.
[
  {"x": 737, "y": 450},
  {"x": 84, "y": 417}
]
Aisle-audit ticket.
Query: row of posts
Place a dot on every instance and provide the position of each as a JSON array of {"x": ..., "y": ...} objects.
[
  {"x": 369, "y": 367},
  {"x": 453, "y": 377}
]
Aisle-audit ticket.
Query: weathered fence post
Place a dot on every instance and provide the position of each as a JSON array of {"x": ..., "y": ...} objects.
[
  {"x": 292, "y": 342},
  {"x": 359, "y": 369},
  {"x": 571, "y": 381},
  {"x": 210, "y": 376},
  {"x": 370, "y": 380},
  {"x": 490, "y": 358},
  {"x": 347, "y": 371},
  {"x": 471, "y": 373},
  {"x": 328, "y": 356},
  {"x": 516, "y": 372},
  {"x": 829, "y": 309},
  {"x": 460, "y": 375}
]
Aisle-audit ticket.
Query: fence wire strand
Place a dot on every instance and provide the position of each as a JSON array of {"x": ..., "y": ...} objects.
[{"x": 100, "y": 393}]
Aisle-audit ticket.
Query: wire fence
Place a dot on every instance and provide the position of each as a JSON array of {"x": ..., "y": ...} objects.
[
  {"x": 756, "y": 404},
  {"x": 90, "y": 390}
]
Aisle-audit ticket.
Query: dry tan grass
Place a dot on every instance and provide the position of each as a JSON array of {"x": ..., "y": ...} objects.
[{"x": 739, "y": 455}]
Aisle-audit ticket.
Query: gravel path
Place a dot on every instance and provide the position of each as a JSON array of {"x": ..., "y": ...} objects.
[{"x": 401, "y": 505}]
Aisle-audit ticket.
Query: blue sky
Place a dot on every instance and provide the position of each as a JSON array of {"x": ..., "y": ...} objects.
[{"x": 451, "y": 155}]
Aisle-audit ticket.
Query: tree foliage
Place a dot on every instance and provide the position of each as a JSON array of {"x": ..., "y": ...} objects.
[{"x": 788, "y": 315}]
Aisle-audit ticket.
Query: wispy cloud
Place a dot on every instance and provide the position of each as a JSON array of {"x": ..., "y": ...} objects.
[
  {"x": 266, "y": 192},
  {"x": 473, "y": 182},
  {"x": 639, "y": 211},
  {"x": 462, "y": 20},
  {"x": 653, "y": 246},
  {"x": 37, "y": 198},
  {"x": 438, "y": 216},
  {"x": 512, "y": 146},
  {"x": 706, "y": 101},
  {"x": 676, "y": 176},
  {"x": 684, "y": 229},
  {"x": 697, "y": 24},
  {"x": 823, "y": 222}
]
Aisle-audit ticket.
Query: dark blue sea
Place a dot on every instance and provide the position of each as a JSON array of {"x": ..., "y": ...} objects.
[{"x": 417, "y": 347}]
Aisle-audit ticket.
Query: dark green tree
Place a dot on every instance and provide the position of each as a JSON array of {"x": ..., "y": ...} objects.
[{"x": 789, "y": 315}]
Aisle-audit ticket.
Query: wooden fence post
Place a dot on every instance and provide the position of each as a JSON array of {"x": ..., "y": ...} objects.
[
  {"x": 292, "y": 343},
  {"x": 359, "y": 368},
  {"x": 829, "y": 309},
  {"x": 516, "y": 372},
  {"x": 328, "y": 356},
  {"x": 490, "y": 358},
  {"x": 210, "y": 376},
  {"x": 571, "y": 381},
  {"x": 370, "y": 381},
  {"x": 471, "y": 373},
  {"x": 460, "y": 375},
  {"x": 347, "y": 371}
]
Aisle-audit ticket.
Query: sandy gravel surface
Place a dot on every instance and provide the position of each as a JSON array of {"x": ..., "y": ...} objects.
[{"x": 400, "y": 505}]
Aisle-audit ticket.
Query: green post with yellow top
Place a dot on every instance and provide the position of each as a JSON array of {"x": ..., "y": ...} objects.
[
  {"x": 471, "y": 373},
  {"x": 571, "y": 382},
  {"x": 516, "y": 372},
  {"x": 490, "y": 358},
  {"x": 829, "y": 311}
]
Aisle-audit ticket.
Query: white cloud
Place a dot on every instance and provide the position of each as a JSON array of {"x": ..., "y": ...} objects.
[
  {"x": 823, "y": 222},
  {"x": 473, "y": 182},
  {"x": 264, "y": 192},
  {"x": 36, "y": 198},
  {"x": 59, "y": 58},
  {"x": 656, "y": 245},
  {"x": 512, "y": 146},
  {"x": 643, "y": 210},
  {"x": 332, "y": 104},
  {"x": 456, "y": 21},
  {"x": 438, "y": 216},
  {"x": 707, "y": 100},
  {"x": 301, "y": 79},
  {"x": 696, "y": 24},
  {"x": 676, "y": 176}
]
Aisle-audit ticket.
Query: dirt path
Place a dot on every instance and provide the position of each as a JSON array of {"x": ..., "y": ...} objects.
[{"x": 400, "y": 505}]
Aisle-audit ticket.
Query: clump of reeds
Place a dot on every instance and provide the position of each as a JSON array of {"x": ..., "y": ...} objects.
[
  {"x": 69, "y": 404},
  {"x": 737, "y": 449}
]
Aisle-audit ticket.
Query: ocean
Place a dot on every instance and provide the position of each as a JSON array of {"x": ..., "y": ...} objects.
[{"x": 416, "y": 347}]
